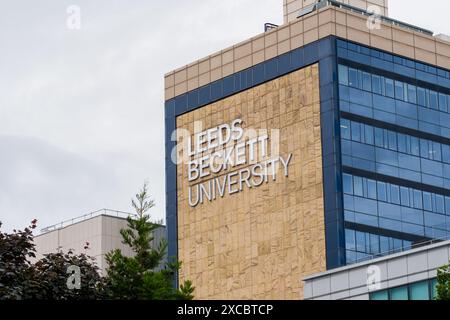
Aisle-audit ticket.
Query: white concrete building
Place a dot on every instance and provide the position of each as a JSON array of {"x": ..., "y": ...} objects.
[{"x": 100, "y": 229}]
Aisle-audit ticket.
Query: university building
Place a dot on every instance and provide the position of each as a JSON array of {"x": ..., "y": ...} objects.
[
  {"x": 94, "y": 234},
  {"x": 313, "y": 161}
]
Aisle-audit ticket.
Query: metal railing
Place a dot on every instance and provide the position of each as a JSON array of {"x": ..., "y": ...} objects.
[
  {"x": 107, "y": 212},
  {"x": 402, "y": 249},
  {"x": 269, "y": 26},
  {"x": 323, "y": 3}
]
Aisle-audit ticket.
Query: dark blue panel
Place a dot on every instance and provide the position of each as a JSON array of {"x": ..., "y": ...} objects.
[
  {"x": 297, "y": 58},
  {"x": 205, "y": 95},
  {"x": 258, "y": 74},
  {"x": 216, "y": 90},
  {"x": 311, "y": 53},
  {"x": 358, "y": 57},
  {"x": 271, "y": 67},
  {"x": 193, "y": 99},
  {"x": 326, "y": 70},
  {"x": 181, "y": 103},
  {"x": 284, "y": 63},
  {"x": 170, "y": 109},
  {"x": 228, "y": 85}
]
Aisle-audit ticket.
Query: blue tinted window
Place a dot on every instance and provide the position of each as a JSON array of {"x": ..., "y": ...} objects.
[
  {"x": 367, "y": 81},
  {"x": 350, "y": 240},
  {"x": 379, "y": 295},
  {"x": 381, "y": 191},
  {"x": 446, "y": 153},
  {"x": 368, "y": 133},
  {"x": 404, "y": 196},
  {"x": 424, "y": 150},
  {"x": 356, "y": 131},
  {"x": 433, "y": 100},
  {"x": 395, "y": 194},
  {"x": 400, "y": 293},
  {"x": 447, "y": 205},
  {"x": 419, "y": 291},
  {"x": 379, "y": 137},
  {"x": 384, "y": 244},
  {"x": 412, "y": 95},
  {"x": 433, "y": 285},
  {"x": 402, "y": 143},
  {"x": 374, "y": 244},
  {"x": 371, "y": 189},
  {"x": 437, "y": 154},
  {"x": 392, "y": 140},
  {"x": 415, "y": 146},
  {"x": 421, "y": 66},
  {"x": 442, "y": 102},
  {"x": 390, "y": 92},
  {"x": 399, "y": 93},
  {"x": 407, "y": 245},
  {"x": 376, "y": 85},
  {"x": 360, "y": 241},
  {"x": 417, "y": 199},
  {"x": 421, "y": 97},
  {"x": 427, "y": 201},
  {"x": 367, "y": 243},
  {"x": 353, "y": 78},
  {"x": 345, "y": 129},
  {"x": 350, "y": 256},
  {"x": 348, "y": 184},
  {"x": 434, "y": 220},
  {"x": 357, "y": 186},
  {"x": 440, "y": 206},
  {"x": 398, "y": 245},
  {"x": 343, "y": 75}
]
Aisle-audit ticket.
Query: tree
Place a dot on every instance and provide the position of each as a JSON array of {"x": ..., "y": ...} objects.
[
  {"x": 47, "y": 278},
  {"x": 16, "y": 271},
  {"x": 443, "y": 283},
  {"x": 53, "y": 273},
  {"x": 143, "y": 276}
]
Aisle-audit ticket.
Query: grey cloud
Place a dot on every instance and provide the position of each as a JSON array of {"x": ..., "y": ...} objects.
[{"x": 81, "y": 112}]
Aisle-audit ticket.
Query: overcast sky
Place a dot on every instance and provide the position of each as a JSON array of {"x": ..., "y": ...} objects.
[{"x": 81, "y": 111}]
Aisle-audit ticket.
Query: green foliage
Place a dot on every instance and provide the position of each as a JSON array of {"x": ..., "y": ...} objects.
[
  {"x": 443, "y": 283},
  {"x": 143, "y": 276}
]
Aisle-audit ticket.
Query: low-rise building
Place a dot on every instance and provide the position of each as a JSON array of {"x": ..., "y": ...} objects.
[{"x": 99, "y": 231}]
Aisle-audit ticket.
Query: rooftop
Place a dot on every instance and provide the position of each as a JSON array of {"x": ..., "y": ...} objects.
[
  {"x": 323, "y": 3},
  {"x": 104, "y": 212}
]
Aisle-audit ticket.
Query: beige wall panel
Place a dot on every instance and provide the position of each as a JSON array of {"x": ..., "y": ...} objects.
[
  {"x": 443, "y": 61},
  {"x": 404, "y": 50},
  {"x": 425, "y": 55},
  {"x": 259, "y": 243}
]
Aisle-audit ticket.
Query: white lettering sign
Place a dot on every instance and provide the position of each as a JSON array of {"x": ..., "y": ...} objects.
[{"x": 227, "y": 159}]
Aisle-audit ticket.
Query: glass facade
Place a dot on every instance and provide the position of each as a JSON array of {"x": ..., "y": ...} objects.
[
  {"x": 395, "y": 154},
  {"x": 423, "y": 290},
  {"x": 394, "y": 102},
  {"x": 362, "y": 245},
  {"x": 393, "y": 211},
  {"x": 385, "y": 123}
]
